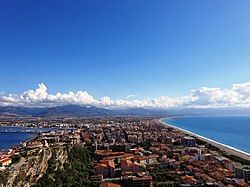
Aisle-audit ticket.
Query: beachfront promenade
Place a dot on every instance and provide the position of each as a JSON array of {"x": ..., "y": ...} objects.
[{"x": 225, "y": 148}]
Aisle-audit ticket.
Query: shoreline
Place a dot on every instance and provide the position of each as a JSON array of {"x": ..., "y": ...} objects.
[
  {"x": 223, "y": 147},
  {"x": 19, "y": 144},
  {"x": 33, "y": 136}
]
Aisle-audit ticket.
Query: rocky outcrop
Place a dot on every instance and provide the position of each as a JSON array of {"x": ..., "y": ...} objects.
[{"x": 28, "y": 170}]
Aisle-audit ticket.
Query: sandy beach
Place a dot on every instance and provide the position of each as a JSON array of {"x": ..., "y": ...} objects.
[{"x": 225, "y": 148}]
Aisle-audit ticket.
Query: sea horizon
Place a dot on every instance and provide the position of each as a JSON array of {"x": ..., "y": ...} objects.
[{"x": 211, "y": 134}]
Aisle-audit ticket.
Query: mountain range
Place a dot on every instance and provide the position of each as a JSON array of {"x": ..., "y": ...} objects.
[
  {"x": 76, "y": 111},
  {"x": 84, "y": 111}
]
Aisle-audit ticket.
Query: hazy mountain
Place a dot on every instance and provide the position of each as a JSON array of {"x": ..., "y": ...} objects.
[
  {"x": 75, "y": 110},
  {"x": 141, "y": 112},
  {"x": 21, "y": 111},
  {"x": 78, "y": 111},
  {"x": 11, "y": 110},
  {"x": 83, "y": 111}
]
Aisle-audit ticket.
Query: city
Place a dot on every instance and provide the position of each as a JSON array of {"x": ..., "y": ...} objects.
[{"x": 126, "y": 151}]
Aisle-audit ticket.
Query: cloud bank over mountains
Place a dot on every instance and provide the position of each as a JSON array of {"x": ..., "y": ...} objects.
[{"x": 203, "y": 97}]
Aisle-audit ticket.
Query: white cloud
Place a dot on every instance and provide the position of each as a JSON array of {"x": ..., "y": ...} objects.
[
  {"x": 105, "y": 101},
  {"x": 36, "y": 95},
  {"x": 237, "y": 96}
]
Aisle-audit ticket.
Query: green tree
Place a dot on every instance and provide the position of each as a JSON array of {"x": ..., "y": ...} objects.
[{"x": 75, "y": 172}]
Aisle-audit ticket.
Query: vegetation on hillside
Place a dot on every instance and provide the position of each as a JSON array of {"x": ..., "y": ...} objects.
[
  {"x": 3, "y": 178},
  {"x": 75, "y": 172},
  {"x": 162, "y": 178},
  {"x": 15, "y": 159}
]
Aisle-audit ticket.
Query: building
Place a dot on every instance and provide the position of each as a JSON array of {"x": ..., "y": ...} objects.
[
  {"x": 128, "y": 166},
  {"x": 188, "y": 141},
  {"x": 243, "y": 172},
  {"x": 151, "y": 159},
  {"x": 108, "y": 184},
  {"x": 106, "y": 168},
  {"x": 5, "y": 161},
  {"x": 132, "y": 181}
]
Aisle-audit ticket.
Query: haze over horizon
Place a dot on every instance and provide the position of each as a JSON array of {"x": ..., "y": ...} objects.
[{"x": 149, "y": 54}]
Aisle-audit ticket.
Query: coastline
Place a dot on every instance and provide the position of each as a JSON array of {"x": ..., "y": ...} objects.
[
  {"x": 19, "y": 144},
  {"x": 33, "y": 135},
  {"x": 225, "y": 148}
]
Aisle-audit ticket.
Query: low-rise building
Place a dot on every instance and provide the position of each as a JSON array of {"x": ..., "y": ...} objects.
[
  {"x": 5, "y": 161},
  {"x": 243, "y": 172},
  {"x": 188, "y": 141},
  {"x": 108, "y": 184}
]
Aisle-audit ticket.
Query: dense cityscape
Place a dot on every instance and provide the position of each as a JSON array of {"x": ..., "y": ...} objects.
[{"x": 116, "y": 151}]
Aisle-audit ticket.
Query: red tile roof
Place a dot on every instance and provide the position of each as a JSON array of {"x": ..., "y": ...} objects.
[{"x": 107, "y": 184}]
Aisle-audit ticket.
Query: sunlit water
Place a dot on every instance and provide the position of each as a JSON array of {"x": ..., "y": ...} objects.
[{"x": 230, "y": 130}]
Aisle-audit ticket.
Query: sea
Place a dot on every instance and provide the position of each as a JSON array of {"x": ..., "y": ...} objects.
[
  {"x": 233, "y": 131},
  {"x": 11, "y": 135}
]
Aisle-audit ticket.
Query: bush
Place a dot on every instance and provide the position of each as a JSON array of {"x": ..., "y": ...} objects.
[
  {"x": 15, "y": 159},
  {"x": 3, "y": 178},
  {"x": 76, "y": 172}
]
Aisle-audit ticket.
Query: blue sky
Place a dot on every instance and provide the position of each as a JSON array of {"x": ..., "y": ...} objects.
[{"x": 115, "y": 48}]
